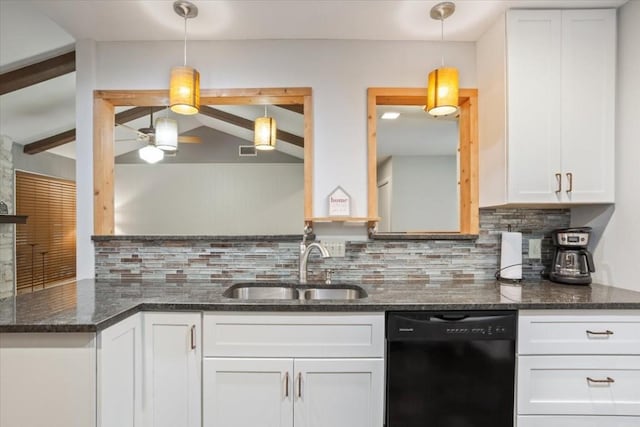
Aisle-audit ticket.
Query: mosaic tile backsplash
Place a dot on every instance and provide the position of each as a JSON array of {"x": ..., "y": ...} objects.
[{"x": 370, "y": 261}]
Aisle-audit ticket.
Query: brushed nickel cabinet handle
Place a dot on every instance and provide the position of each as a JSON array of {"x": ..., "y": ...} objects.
[
  {"x": 193, "y": 337},
  {"x": 299, "y": 379},
  {"x": 570, "y": 178},
  {"x": 609, "y": 380},
  {"x": 286, "y": 385},
  {"x": 559, "y": 179},
  {"x": 607, "y": 332}
]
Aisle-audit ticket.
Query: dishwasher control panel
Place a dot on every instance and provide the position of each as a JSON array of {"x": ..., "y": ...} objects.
[{"x": 476, "y": 325}]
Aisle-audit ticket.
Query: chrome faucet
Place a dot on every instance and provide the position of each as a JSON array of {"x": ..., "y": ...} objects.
[{"x": 304, "y": 258}]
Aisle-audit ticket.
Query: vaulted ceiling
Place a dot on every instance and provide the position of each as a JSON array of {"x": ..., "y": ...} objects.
[{"x": 33, "y": 31}]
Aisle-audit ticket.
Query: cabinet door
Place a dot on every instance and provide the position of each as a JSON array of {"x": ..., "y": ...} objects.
[
  {"x": 247, "y": 392},
  {"x": 577, "y": 421},
  {"x": 172, "y": 363},
  {"x": 533, "y": 105},
  {"x": 120, "y": 374},
  {"x": 588, "y": 104},
  {"x": 339, "y": 392}
]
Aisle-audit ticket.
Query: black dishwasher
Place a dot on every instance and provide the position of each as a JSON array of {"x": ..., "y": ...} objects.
[{"x": 450, "y": 368}]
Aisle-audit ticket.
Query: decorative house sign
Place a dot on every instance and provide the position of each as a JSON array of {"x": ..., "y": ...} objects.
[{"x": 339, "y": 203}]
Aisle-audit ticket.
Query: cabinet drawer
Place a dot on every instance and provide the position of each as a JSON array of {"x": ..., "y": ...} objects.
[
  {"x": 293, "y": 335},
  {"x": 555, "y": 385},
  {"x": 579, "y": 332},
  {"x": 576, "y": 421}
]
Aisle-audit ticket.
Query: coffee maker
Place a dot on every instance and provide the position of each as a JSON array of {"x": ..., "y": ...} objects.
[{"x": 572, "y": 262}]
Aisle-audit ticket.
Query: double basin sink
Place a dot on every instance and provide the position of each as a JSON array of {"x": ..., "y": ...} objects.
[{"x": 288, "y": 291}]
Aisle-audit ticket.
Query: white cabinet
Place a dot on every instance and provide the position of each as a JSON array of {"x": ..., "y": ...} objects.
[
  {"x": 338, "y": 392},
  {"x": 248, "y": 392},
  {"x": 120, "y": 374},
  {"x": 172, "y": 363},
  {"x": 547, "y": 108},
  {"x": 578, "y": 367},
  {"x": 149, "y": 371},
  {"x": 47, "y": 379},
  {"x": 307, "y": 370}
]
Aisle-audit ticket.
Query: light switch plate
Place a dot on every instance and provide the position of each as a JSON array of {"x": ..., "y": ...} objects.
[
  {"x": 336, "y": 248},
  {"x": 535, "y": 248}
]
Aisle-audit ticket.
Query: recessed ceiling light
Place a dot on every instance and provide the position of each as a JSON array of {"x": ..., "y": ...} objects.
[{"x": 390, "y": 115}]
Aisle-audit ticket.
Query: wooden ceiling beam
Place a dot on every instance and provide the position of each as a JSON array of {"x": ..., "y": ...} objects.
[
  {"x": 38, "y": 72},
  {"x": 296, "y": 108},
  {"x": 214, "y": 113},
  {"x": 70, "y": 135}
]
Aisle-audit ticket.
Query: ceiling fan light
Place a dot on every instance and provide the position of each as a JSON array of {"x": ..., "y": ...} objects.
[
  {"x": 166, "y": 134},
  {"x": 184, "y": 90},
  {"x": 442, "y": 92},
  {"x": 151, "y": 154},
  {"x": 264, "y": 137}
]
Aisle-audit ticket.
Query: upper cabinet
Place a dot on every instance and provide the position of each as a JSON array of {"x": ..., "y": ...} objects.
[{"x": 547, "y": 79}]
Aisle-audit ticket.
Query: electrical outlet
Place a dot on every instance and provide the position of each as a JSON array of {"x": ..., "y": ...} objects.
[
  {"x": 535, "y": 248},
  {"x": 335, "y": 247}
]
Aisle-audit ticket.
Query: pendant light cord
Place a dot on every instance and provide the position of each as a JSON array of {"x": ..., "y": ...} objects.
[
  {"x": 441, "y": 40},
  {"x": 184, "y": 9}
]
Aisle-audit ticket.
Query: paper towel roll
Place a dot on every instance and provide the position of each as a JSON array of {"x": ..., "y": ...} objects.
[{"x": 511, "y": 255}]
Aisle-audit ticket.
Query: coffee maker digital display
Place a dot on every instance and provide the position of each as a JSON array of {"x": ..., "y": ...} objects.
[{"x": 572, "y": 262}]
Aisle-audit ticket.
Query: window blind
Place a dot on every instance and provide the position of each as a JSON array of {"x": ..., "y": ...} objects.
[{"x": 46, "y": 244}]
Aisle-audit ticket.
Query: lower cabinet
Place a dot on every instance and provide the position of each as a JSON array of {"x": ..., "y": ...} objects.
[
  {"x": 302, "y": 370},
  {"x": 149, "y": 371},
  {"x": 48, "y": 379},
  {"x": 172, "y": 362},
  {"x": 578, "y": 368},
  {"x": 287, "y": 392}
]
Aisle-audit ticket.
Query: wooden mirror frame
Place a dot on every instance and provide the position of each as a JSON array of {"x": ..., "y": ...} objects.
[
  {"x": 104, "y": 104},
  {"x": 468, "y": 147}
]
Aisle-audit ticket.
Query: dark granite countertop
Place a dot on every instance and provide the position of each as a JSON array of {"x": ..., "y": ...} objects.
[{"x": 89, "y": 305}]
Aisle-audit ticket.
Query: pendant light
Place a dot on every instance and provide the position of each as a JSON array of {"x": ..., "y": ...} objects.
[
  {"x": 442, "y": 87},
  {"x": 264, "y": 136},
  {"x": 166, "y": 134},
  {"x": 184, "y": 88}
]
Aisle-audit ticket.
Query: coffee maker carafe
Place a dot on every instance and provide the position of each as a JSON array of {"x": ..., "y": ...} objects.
[{"x": 572, "y": 262}]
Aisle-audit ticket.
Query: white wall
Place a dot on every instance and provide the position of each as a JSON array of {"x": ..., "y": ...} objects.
[
  {"x": 338, "y": 71},
  {"x": 424, "y": 193},
  {"x": 209, "y": 199},
  {"x": 617, "y": 230}
]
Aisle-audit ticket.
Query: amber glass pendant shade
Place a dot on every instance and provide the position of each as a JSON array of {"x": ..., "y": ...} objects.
[
  {"x": 264, "y": 137},
  {"x": 184, "y": 90},
  {"x": 442, "y": 92}
]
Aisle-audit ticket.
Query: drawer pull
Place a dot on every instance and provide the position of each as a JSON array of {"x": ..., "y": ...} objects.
[
  {"x": 607, "y": 332},
  {"x": 609, "y": 380}
]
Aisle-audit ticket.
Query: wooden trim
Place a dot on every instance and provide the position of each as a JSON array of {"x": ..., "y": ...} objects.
[
  {"x": 308, "y": 155},
  {"x": 103, "y": 167},
  {"x": 468, "y": 101},
  {"x": 38, "y": 72},
  {"x": 105, "y": 102}
]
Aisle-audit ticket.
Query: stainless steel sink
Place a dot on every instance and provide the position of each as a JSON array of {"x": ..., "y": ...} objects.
[
  {"x": 287, "y": 291},
  {"x": 251, "y": 291},
  {"x": 335, "y": 292}
]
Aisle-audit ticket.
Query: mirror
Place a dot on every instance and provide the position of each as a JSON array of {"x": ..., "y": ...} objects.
[
  {"x": 207, "y": 187},
  {"x": 422, "y": 170}
]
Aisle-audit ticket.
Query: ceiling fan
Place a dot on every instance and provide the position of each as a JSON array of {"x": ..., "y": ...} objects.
[{"x": 148, "y": 134}]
